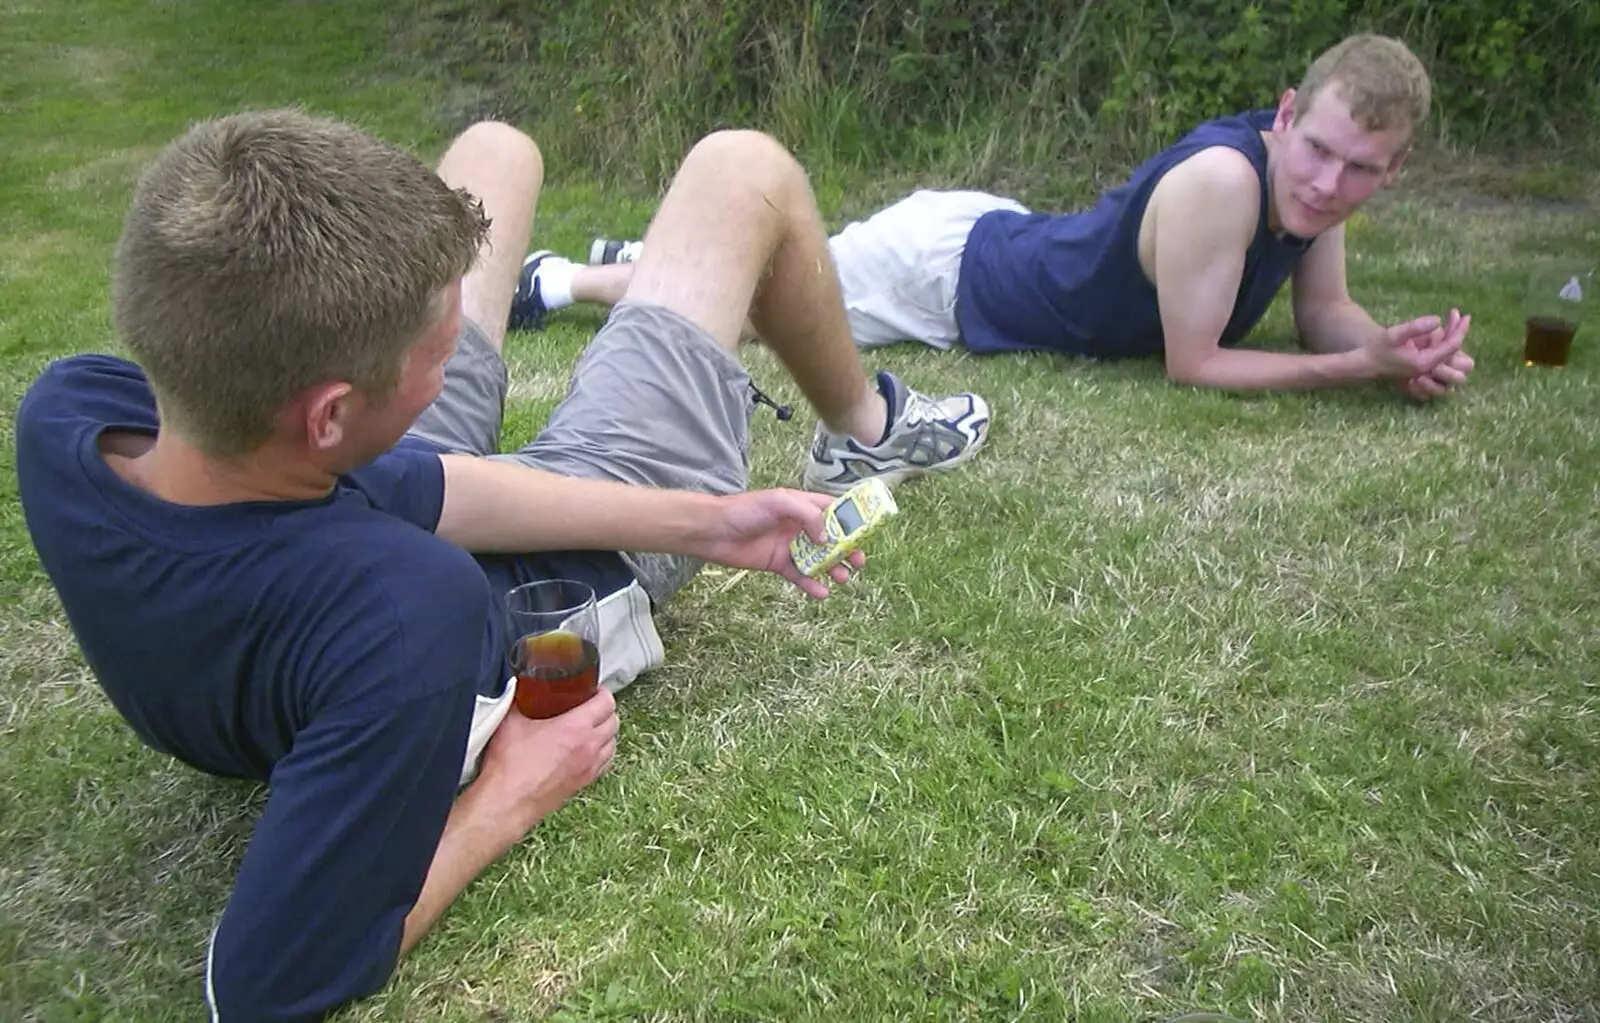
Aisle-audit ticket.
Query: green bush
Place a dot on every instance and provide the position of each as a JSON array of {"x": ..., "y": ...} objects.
[{"x": 622, "y": 87}]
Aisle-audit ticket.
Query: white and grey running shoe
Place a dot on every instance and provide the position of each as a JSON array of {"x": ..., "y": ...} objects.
[{"x": 925, "y": 435}]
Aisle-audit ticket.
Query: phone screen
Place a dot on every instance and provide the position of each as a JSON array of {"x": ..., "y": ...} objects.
[{"x": 849, "y": 517}]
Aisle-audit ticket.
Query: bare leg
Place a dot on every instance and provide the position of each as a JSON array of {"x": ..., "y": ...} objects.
[
  {"x": 603, "y": 284},
  {"x": 739, "y": 233},
  {"x": 503, "y": 168},
  {"x": 606, "y": 285}
]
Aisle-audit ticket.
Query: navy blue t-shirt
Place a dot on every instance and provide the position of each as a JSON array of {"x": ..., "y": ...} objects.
[
  {"x": 329, "y": 647},
  {"x": 1072, "y": 282}
]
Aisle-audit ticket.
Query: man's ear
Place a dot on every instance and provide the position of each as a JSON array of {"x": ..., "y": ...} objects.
[
  {"x": 326, "y": 409},
  {"x": 1399, "y": 161},
  {"x": 1285, "y": 116}
]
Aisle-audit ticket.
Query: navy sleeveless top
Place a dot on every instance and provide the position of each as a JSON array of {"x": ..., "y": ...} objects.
[{"x": 1072, "y": 283}]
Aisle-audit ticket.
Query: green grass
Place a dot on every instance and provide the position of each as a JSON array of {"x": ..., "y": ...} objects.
[{"x": 1281, "y": 705}]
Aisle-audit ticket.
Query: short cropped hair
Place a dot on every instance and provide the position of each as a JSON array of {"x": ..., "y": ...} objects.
[
  {"x": 269, "y": 251},
  {"x": 1383, "y": 81}
]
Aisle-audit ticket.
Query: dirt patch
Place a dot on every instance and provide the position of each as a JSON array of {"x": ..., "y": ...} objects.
[{"x": 1556, "y": 181}]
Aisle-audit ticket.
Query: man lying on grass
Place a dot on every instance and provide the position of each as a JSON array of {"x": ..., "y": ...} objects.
[
  {"x": 1181, "y": 261},
  {"x": 260, "y": 532}
]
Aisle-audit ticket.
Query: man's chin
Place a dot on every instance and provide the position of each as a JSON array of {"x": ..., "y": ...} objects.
[
  {"x": 1304, "y": 222},
  {"x": 1313, "y": 222}
]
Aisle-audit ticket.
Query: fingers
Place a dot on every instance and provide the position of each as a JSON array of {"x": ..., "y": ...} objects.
[
  {"x": 1442, "y": 379},
  {"x": 814, "y": 588},
  {"x": 1413, "y": 331},
  {"x": 838, "y": 574},
  {"x": 1451, "y": 331},
  {"x": 596, "y": 710},
  {"x": 612, "y": 724},
  {"x": 603, "y": 738},
  {"x": 608, "y": 753},
  {"x": 1424, "y": 388},
  {"x": 1438, "y": 354},
  {"x": 782, "y": 509},
  {"x": 1453, "y": 371},
  {"x": 1424, "y": 341},
  {"x": 804, "y": 509},
  {"x": 599, "y": 715},
  {"x": 815, "y": 531}
]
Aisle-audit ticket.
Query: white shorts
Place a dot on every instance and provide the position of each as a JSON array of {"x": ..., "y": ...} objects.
[
  {"x": 629, "y": 647},
  {"x": 898, "y": 268}
]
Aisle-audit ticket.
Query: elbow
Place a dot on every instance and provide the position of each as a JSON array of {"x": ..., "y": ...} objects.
[
  {"x": 1187, "y": 372},
  {"x": 1305, "y": 332},
  {"x": 1192, "y": 362}
]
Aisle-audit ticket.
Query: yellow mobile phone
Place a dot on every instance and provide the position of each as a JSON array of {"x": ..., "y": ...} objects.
[{"x": 846, "y": 523}]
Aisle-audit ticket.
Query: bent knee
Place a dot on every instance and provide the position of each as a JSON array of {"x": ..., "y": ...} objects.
[
  {"x": 754, "y": 152},
  {"x": 509, "y": 146}
]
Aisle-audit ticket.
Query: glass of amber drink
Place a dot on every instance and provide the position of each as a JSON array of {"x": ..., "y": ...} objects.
[
  {"x": 555, "y": 645},
  {"x": 1558, "y": 296}
]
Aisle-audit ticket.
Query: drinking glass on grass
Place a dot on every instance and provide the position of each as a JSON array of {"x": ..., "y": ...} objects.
[
  {"x": 555, "y": 645},
  {"x": 1559, "y": 293}
]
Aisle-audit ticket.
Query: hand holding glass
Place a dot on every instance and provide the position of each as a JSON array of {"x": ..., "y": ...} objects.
[{"x": 555, "y": 645}]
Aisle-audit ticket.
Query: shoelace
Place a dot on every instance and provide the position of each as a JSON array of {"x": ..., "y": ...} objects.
[{"x": 920, "y": 408}]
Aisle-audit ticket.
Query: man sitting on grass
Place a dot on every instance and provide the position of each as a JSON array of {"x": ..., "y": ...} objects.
[
  {"x": 1182, "y": 260},
  {"x": 260, "y": 531}
]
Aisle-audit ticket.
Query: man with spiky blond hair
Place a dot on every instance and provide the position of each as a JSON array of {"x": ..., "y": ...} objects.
[{"x": 1180, "y": 261}]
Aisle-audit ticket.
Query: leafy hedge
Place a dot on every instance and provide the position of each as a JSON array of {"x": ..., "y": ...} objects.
[{"x": 627, "y": 85}]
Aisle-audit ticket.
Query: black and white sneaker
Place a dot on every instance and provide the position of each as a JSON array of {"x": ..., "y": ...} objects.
[
  {"x": 605, "y": 251},
  {"x": 527, "y": 303},
  {"x": 926, "y": 435}
]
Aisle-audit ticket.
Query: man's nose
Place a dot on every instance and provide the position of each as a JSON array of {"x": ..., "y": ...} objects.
[{"x": 1326, "y": 181}]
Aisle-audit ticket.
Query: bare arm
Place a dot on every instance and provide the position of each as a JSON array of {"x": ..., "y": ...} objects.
[
  {"x": 1329, "y": 320},
  {"x": 1326, "y": 317},
  {"x": 529, "y": 770},
  {"x": 1205, "y": 214},
  {"x": 492, "y": 506},
  {"x": 501, "y": 506},
  {"x": 472, "y": 840}
]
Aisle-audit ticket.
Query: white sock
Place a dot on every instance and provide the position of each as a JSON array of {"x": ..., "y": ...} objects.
[{"x": 555, "y": 281}]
